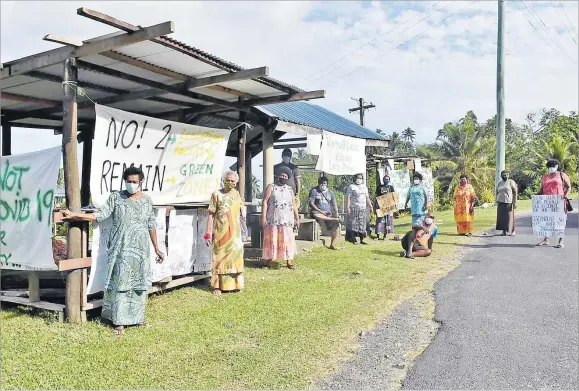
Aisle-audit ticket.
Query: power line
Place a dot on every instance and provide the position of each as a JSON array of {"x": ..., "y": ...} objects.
[
  {"x": 544, "y": 26},
  {"x": 569, "y": 20},
  {"x": 380, "y": 44},
  {"x": 536, "y": 29},
  {"x": 369, "y": 42},
  {"x": 565, "y": 24},
  {"x": 403, "y": 43}
]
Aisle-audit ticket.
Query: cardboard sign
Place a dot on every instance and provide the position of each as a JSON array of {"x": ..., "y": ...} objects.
[
  {"x": 27, "y": 186},
  {"x": 388, "y": 203},
  {"x": 549, "y": 218},
  {"x": 182, "y": 163}
]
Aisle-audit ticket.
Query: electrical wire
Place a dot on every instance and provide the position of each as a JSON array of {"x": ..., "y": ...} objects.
[
  {"x": 544, "y": 26},
  {"x": 569, "y": 20},
  {"x": 373, "y": 40},
  {"x": 380, "y": 44},
  {"x": 535, "y": 28},
  {"x": 405, "y": 42},
  {"x": 564, "y": 24}
]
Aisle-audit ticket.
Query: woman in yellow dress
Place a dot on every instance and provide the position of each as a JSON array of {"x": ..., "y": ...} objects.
[
  {"x": 464, "y": 198},
  {"x": 224, "y": 233}
]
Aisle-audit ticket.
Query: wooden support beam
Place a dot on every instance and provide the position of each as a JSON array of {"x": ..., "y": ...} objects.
[
  {"x": 28, "y": 99},
  {"x": 294, "y": 145},
  {"x": 241, "y": 136},
  {"x": 74, "y": 264},
  {"x": 174, "y": 89},
  {"x": 72, "y": 189},
  {"x": 248, "y": 176},
  {"x": 6, "y": 140},
  {"x": 63, "y": 40},
  {"x": 57, "y": 56},
  {"x": 267, "y": 143},
  {"x": 235, "y": 76}
]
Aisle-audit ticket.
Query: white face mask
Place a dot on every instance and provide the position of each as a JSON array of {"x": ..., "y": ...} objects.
[
  {"x": 417, "y": 181},
  {"x": 132, "y": 188},
  {"x": 553, "y": 170},
  {"x": 428, "y": 221},
  {"x": 359, "y": 181},
  {"x": 286, "y": 159},
  {"x": 323, "y": 187}
]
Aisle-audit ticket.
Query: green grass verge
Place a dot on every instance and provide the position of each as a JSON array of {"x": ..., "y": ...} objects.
[{"x": 286, "y": 330}]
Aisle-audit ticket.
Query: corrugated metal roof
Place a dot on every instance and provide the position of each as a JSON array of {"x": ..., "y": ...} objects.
[{"x": 304, "y": 113}]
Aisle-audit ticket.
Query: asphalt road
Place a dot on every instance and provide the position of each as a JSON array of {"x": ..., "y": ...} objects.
[{"x": 509, "y": 317}]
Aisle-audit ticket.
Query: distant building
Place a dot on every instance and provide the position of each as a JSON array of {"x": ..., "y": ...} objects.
[{"x": 59, "y": 196}]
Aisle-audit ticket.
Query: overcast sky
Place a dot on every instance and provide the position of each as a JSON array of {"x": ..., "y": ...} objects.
[{"x": 418, "y": 81}]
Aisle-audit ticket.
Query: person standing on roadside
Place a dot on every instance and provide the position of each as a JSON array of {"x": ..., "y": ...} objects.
[
  {"x": 294, "y": 179},
  {"x": 385, "y": 224},
  {"x": 506, "y": 194},
  {"x": 555, "y": 183}
]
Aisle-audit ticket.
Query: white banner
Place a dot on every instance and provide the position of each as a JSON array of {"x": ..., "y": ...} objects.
[
  {"x": 182, "y": 163},
  {"x": 27, "y": 185},
  {"x": 186, "y": 250},
  {"x": 342, "y": 155},
  {"x": 314, "y": 142},
  {"x": 549, "y": 218},
  {"x": 400, "y": 180},
  {"x": 428, "y": 181}
]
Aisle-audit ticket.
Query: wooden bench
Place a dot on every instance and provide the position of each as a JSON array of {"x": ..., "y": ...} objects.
[{"x": 309, "y": 230}]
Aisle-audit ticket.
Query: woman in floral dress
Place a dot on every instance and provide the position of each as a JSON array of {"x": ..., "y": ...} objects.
[
  {"x": 128, "y": 250},
  {"x": 358, "y": 209},
  {"x": 279, "y": 216},
  {"x": 224, "y": 228},
  {"x": 464, "y": 198}
]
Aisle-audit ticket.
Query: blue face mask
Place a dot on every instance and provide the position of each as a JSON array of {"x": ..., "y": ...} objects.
[{"x": 386, "y": 181}]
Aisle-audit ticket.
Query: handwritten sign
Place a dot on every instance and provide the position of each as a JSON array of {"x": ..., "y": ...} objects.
[
  {"x": 27, "y": 185},
  {"x": 342, "y": 155},
  {"x": 182, "y": 163},
  {"x": 428, "y": 182},
  {"x": 400, "y": 180},
  {"x": 549, "y": 218},
  {"x": 388, "y": 203}
]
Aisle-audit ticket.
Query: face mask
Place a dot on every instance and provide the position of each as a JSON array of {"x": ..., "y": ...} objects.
[
  {"x": 132, "y": 188},
  {"x": 386, "y": 181},
  {"x": 553, "y": 170},
  {"x": 428, "y": 221},
  {"x": 463, "y": 181},
  {"x": 359, "y": 181},
  {"x": 417, "y": 181},
  {"x": 282, "y": 181},
  {"x": 229, "y": 186},
  {"x": 504, "y": 177},
  {"x": 323, "y": 187},
  {"x": 286, "y": 159}
]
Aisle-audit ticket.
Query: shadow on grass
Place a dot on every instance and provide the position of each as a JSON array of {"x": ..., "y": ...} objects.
[{"x": 387, "y": 253}]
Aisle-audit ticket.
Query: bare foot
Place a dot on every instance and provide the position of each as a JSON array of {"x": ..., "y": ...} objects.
[
  {"x": 118, "y": 330},
  {"x": 216, "y": 292}
]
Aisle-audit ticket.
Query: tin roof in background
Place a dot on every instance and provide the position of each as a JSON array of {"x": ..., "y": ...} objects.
[{"x": 308, "y": 114}]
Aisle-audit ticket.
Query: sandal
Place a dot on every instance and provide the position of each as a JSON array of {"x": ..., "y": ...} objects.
[
  {"x": 560, "y": 245},
  {"x": 291, "y": 266},
  {"x": 543, "y": 243},
  {"x": 332, "y": 247},
  {"x": 216, "y": 292},
  {"x": 119, "y": 330}
]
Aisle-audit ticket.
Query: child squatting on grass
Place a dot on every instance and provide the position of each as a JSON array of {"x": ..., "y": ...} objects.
[{"x": 418, "y": 242}]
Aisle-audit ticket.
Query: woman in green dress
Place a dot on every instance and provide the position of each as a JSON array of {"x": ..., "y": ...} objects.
[{"x": 128, "y": 251}]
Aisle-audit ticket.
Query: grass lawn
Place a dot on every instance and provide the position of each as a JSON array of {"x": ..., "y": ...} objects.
[{"x": 286, "y": 330}]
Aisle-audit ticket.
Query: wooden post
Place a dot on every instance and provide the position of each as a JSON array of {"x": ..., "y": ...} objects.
[
  {"x": 267, "y": 142},
  {"x": 248, "y": 177},
  {"x": 33, "y": 287},
  {"x": 241, "y": 155},
  {"x": 72, "y": 187},
  {"x": 6, "y": 140}
]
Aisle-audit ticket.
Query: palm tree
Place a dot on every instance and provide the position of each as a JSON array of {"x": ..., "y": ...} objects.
[
  {"x": 466, "y": 150},
  {"x": 560, "y": 149},
  {"x": 409, "y": 135}
]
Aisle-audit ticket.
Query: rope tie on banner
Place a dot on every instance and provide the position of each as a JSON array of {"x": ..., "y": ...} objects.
[
  {"x": 79, "y": 90},
  {"x": 242, "y": 123}
]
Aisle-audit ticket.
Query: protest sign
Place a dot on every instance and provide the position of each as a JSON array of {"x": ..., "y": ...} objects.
[
  {"x": 400, "y": 180},
  {"x": 428, "y": 182},
  {"x": 549, "y": 218},
  {"x": 27, "y": 186},
  {"x": 314, "y": 142},
  {"x": 342, "y": 155},
  {"x": 388, "y": 203},
  {"x": 182, "y": 163}
]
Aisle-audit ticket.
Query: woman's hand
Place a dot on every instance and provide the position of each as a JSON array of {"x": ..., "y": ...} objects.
[
  {"x": 471, "y": 210},
  {"x": 160, "y": 255},
  {"x": 67, "y": 215},
  {"x": 263, "y": 221},
  {"x": 298, "y": 224}
]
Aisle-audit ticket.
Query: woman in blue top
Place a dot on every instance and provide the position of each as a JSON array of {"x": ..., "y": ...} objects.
[{"x": 418, "y": 198}]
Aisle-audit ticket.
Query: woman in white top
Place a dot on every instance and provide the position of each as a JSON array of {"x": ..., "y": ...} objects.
[{"x": 357, "y": 205}]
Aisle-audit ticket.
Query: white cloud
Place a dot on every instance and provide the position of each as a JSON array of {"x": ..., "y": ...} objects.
[{"x": 448, "y": 70}]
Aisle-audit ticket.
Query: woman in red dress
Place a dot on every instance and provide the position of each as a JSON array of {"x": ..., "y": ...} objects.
[{"x": 554, "y": 183}]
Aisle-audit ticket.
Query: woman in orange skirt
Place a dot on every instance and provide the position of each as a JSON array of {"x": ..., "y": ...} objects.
[{"x": 464, "y": 198}]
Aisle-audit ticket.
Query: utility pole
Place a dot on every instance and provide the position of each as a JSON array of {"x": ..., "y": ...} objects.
[
  {"x": 361, "y": 107},
  {"x": 500, "y": 93}
]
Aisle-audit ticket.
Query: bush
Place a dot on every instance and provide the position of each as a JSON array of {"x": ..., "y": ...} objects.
[{"x": 59, "y": 250}]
